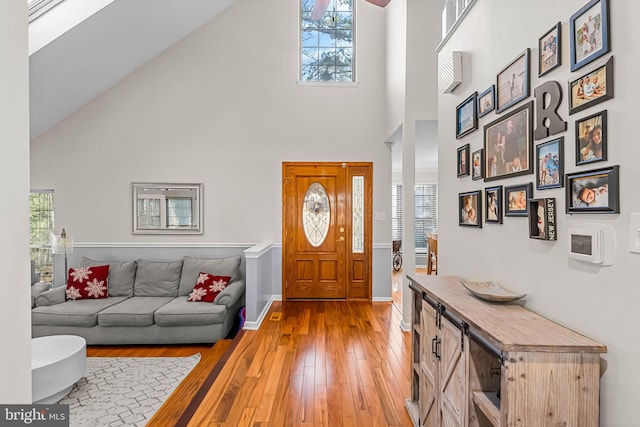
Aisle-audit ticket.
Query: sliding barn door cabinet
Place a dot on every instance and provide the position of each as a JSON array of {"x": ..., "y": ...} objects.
[{"x": 481, "y": 364}]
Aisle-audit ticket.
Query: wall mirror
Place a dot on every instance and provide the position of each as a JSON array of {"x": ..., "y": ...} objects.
[{"x": 167, "y": 208}]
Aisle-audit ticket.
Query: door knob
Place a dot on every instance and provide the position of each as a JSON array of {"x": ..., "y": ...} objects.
[{"x": 341, "y": 239}]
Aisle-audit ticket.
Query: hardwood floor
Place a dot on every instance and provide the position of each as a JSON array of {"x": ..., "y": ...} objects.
[
  {"x": 311, "y": 363},
  {"x": 330, "y": 363}
]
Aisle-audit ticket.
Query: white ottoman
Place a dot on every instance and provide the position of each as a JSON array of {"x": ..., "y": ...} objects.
[{"x": 57, "y": 362}]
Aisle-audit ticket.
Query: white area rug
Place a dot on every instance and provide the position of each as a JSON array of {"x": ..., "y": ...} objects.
[{"x": 125, "y": 391}]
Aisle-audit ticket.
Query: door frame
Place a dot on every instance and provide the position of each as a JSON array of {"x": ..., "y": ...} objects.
[{"x": 358, "y": 274}]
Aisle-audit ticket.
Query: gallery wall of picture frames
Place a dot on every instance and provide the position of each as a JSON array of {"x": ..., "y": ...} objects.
[{"x": 511, "y": 147}]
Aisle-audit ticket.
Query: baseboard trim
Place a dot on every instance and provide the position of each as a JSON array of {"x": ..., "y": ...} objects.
[
  {"x": 404, "y": 326},
  {"x": 381, "y": 299},
  {"x": 254, "y": 326}
]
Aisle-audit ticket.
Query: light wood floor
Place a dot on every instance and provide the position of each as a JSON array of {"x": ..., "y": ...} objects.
[{"x": 321, "y": 363}]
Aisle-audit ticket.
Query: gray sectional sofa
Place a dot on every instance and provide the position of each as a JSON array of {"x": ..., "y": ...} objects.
[{"x": 146, "y": 304}]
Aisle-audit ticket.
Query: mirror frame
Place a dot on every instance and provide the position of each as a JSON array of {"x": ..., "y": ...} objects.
[{"x": 161, "y": 189}]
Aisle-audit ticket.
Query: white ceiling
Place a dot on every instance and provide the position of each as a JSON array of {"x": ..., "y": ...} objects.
[{"x": 99, "y": 51}]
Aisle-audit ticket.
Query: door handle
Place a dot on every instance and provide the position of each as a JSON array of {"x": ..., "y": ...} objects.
[{"x": 341, "y": 239}]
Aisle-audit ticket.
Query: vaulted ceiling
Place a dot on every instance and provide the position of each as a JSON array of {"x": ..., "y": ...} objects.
[{"x": 95, "y": 53}]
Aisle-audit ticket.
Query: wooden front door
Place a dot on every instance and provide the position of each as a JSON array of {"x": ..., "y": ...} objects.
[{"x": 326, "y": 230}]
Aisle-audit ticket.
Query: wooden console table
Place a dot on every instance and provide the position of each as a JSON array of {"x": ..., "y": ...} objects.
[{"x": 481, "y": 364}]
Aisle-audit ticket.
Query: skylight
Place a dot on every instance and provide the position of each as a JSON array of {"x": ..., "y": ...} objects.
[{"x": 38, "y": 8}]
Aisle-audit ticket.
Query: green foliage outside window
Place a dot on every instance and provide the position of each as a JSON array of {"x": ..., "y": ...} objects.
[
  {"x": 327, "y": 43},
  {"x": 41, "y": 229}
]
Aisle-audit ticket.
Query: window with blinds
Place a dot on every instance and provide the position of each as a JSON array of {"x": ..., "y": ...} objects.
[
  {"x": 426, "y": 213},
  {"x": 40, "y": 232}
]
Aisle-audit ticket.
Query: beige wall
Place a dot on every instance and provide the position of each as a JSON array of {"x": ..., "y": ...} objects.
[
  {"x": 600, "y": 302},
  {"x": 222, "y": 107},
  {"x": 15, "y": 317}
]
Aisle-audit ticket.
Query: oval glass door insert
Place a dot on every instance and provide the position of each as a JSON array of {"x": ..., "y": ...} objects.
[{"x": 316, "y": 215}]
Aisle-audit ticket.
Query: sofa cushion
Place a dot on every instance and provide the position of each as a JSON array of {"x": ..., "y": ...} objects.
[
  {"x": 157, "y": 279},
  {"x": 208, "y": 287},
  {"x": 72, "y": 313},
  {"x": 192, "y": 267},
  {"x": 87, "y": 282},
  {"x": 181, "y": 312},
  {"x": 121, "y": 275},
  {"x": 136, "y": 311},
  {"x": 37, "y": 289}
]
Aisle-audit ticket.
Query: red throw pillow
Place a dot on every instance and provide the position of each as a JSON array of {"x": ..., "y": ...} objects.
[
  {"x": 87, "y": 282},
  {"x": 208, "y": 287}
]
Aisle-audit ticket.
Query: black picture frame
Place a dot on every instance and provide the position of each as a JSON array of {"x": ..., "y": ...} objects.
[
  {"x": 470, "y": 209},
  {"x": 600, "y": 91},
  {"x": 593, "y": 191},
  {"x": 542, "y": 219},
  {"x": 590, "y": 130},
  {"x": 503, "y": 146},
  {"x": 550, "y": 164},
  {"x": 512, "y": 82},
  {"x": 467, "y": 116},
  {"x": 477, "y": 164},
  {"x": 515, "y": 199},
  {"x": 493, "y": 204},
  {"x": 487, "y": 101},
  {"x": 589, "y": 33},
  {"x": 549, "y": 50},
  {"x": 463, "y": 161}
]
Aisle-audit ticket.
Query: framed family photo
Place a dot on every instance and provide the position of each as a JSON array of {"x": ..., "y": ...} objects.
[
  {"x": 508, "y": 144},
  {"x": 477, "y": 162},
  {"x": 550, "y": 164},
  {"x": 486, "y": 101},
  {"x": 493, "y": 202},
  {"x": 512, "y": 82},
  {"x": 466, "y": 116},
  {"x": 591, "y": 138},
  {"x": 515, "y": 199},
  {"x": 591, "y": 88},
  {"x": 589, "y": 33},
  {"x": 549, "y": 53},
  {"x": 596, "y": 190},
  {"x": 463, "y": 160},
  {"x": 470, "y": 208}
]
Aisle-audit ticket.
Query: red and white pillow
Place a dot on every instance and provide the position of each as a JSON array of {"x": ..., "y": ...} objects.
[
  {"x": 87, "y": 282},
  {"x": 208, "y": 287}
]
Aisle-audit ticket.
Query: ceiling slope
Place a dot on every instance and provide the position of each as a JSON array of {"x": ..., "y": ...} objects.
[{"x": 104, "y": 48}]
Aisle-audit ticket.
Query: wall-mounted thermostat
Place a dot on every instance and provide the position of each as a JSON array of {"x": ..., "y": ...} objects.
[{"x": 595, "y": 243}]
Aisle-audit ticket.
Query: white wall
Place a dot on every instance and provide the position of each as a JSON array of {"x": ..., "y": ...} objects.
[
  {"x": 222, "y": 107},
  {"x": 396, "y": 48},
  {"x": 15, "y": 316},
  {"x": 600, "y": 302}
]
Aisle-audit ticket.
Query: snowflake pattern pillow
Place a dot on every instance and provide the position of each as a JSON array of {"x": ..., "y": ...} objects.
[
  {"x": 208, "y": 287},
  {"x": 87, "y": 282}
]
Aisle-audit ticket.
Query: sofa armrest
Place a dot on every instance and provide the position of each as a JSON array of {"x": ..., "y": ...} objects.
[
  {"x": 36, "y": 289},
  {"x": 231, "y": 294},
  {"x": 52, "y": 296}
]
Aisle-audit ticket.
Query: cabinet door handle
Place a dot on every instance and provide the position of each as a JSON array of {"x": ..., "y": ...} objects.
[
  {"x": 438, "y": 342},
  {"x": 434, "y": 347}
]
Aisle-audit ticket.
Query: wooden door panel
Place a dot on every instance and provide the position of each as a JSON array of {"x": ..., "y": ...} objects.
[
  {"x": 429, "y": 368},
  {"x": 452, "y": 376},
  {"x": 358, "y": 270},
  {"x": 329, "y": 267},
  {"x": 304, "y": 270}
]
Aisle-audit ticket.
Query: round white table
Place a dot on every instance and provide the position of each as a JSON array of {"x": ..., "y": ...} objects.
[{"x": 57, "y": 363}]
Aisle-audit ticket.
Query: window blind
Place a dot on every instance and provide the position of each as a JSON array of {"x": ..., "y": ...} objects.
[{"x": 426, "y": 212}]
